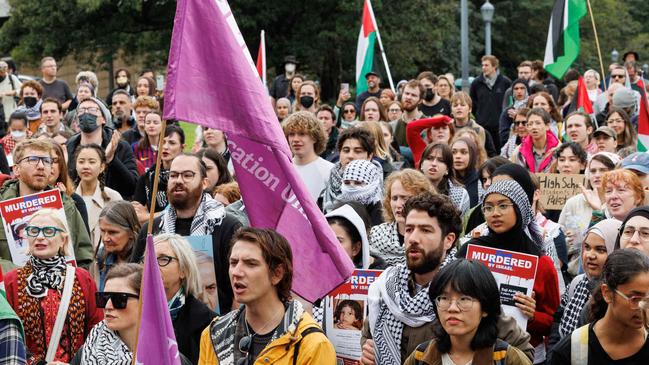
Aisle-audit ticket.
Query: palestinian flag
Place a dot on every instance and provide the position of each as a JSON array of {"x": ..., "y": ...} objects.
[
  {"x": 643, "y": 123},
  {"x": 365, "y": 48},
  {"x": 562, "y": 46},
  {"x": 261, "y": 58}
]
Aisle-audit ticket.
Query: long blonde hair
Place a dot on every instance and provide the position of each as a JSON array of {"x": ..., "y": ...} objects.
[{"x": 382, "y": 150}]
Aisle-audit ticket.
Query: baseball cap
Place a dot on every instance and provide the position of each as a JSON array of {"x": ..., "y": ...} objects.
[
  {"x": 372, "y": 73},
  {"x": 605, "y": 130},
  {"x": 638, "y": 161}
]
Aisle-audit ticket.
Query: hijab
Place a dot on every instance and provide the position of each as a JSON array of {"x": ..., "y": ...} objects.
[
  {"x": 519, "y": 174},
  {"x": 641, "y": 211},
  {"x": 607, "y": 230}
]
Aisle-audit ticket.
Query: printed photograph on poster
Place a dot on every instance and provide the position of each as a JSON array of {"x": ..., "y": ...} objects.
[
  {"x": 202, "y": 246},
  {"x": 16, "y": 214},
  {"x": 345, "y": 309},
  {"x": 514, "y": 272}
]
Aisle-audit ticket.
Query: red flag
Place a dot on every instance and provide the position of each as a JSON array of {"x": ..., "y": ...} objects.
[
  {"x": 583, "y": 101},
  {"x": 643, "y": 122},
  {"x": 261, "y": 57}
]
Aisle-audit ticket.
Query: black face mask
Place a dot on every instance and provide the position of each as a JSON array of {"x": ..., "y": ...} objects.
[
  {"x": 30, "y": 101},
  {"x": 88, "y": 123},
  {"x": 430, "y": 95},
  {"x": 306, "y": 101}
]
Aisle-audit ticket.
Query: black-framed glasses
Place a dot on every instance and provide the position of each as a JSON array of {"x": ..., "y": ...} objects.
[
  {"x": 186, "y": 175},
  {"x": 91, "y": 110},
  {"x": 244, "y": 347},
  {"x": 618, "y": 76},
  {"x": 48, "y": 231},
  {"x": 34, "y": 160},
  {"x": 119, "y": 299},
  {"x": 164, "y": 260}
]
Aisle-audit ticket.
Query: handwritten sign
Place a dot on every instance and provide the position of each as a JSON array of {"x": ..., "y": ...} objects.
[{"x": 556, "y": 189}]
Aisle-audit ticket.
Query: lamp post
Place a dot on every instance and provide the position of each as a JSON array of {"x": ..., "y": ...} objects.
[
  {"x": 645, "y": 70},
  {"x": 464, "y": 41},
  {"x": 615, "y": 55},
  {"x": 487, "y": 11}
]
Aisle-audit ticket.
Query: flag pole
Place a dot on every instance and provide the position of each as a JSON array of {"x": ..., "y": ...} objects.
[
  {"x": 599, "y": 51},
  {"x": 154, "y": 193},
  {"x": 385, "y": 58}
]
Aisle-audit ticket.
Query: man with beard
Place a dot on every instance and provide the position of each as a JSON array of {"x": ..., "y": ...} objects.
[
  {"x": 193, "y": 212},
  {"x": 432, "y": 104},
  {"x": 32, "y": 168},
  {"x": 400, "y": 311},
  {"x": 373, "y": 88},
  {"x": 410, "y": 99},
  {"x": 122, "y": 110}
]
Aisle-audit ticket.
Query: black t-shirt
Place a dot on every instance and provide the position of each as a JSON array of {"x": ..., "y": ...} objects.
[
  {"x": 58, "y": 90},
  {"x": 183, "y": 226},
  {"x": 596, "y": 353},
  {"x": 442, "y": 107},
  {"x": 259, "y": 342}
]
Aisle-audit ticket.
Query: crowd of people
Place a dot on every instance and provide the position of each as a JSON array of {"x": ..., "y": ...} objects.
[{"x": 406, "y": 179}]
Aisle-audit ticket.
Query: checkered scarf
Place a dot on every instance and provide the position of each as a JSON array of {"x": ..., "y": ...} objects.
[
  {"x": 332, "y": 189},
  {"x": 384, "y": 240},
  {"x": 368, "y": 173},
  {"x": 573, "y": 303},
  {"x": 209, "y": 215}
]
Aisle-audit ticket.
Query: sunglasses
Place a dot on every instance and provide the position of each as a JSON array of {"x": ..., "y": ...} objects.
[
  {"x": 617, "y": 76},
  {"x": 119, "y": 300},
  {"x": 244, "y": 347},
  {"x": 349, "y": 111},
  {"x": 517, "y": 123}
]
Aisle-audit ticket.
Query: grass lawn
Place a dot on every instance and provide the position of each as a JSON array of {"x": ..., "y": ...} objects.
[{"x": 190, "y": 135}]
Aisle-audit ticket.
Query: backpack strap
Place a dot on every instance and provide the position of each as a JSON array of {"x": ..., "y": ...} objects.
[
  {"x": 579, "y": 346},
  {"x": 500, "y": 352},
  {"x": 304, "y": 334}
]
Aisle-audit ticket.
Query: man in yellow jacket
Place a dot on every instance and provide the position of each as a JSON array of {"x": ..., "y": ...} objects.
[{"x": 269, "y": 327}]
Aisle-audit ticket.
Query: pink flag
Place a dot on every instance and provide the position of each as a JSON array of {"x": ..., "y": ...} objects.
[
  {"x": 156, "y": 340},
  {"x": 212, "y": 81}
]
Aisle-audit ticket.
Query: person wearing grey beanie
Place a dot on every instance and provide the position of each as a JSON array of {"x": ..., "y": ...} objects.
[{"x": 626, "y": 99}]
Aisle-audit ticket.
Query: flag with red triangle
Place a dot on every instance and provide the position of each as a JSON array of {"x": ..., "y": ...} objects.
[
  {"x": 643, "y": 122},
  {"x": 261, "y": 58},
  {"x": 583, "y": 101}
]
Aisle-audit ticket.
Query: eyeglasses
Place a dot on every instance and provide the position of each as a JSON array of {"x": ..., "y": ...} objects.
[
  {"x": 164, "y": 260},
  {"x": 394, "y": 110},
  {"x": 491, "y": 209},
  {"x": 48, "y": 232},
  {"x": 517, "y": 123},
  {"x": 349, "y": 111},
  {"x": 618, "y": 76},
  {"x": 34, "y": 160},
  {"x": 629, "y": 231},
  {"x": 186, "y": 175},
  {"x": 615, "y": 120},
  {"x": 635, "y": 300},
  {"x": 91, "y": 110},
  {"x": 244, "y": 347},
  {"x": 118, "y": 299},
  {"x": 464, "y": 303}
]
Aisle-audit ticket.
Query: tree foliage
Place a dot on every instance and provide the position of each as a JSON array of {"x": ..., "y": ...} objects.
[{"x": 417, "y": 34}]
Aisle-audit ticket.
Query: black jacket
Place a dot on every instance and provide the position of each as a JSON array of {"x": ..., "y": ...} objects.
[
  {"x": 487, "y": 102},
  {"x": 471, "y": 183},
  {"x": 220, "y": 247},
  {"x": 192, "y": 319},
  {"x": 121, "y": 173}
]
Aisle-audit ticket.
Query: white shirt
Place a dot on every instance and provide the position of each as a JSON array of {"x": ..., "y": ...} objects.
[
  {"x": 8, "y": 102},
  {"x": 94, "y": 204},
  {"x": 315, "y": 175}
]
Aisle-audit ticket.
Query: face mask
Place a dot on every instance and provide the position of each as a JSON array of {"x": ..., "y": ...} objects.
[
  {"x": 289, "y": 67},
  {"x": 429, "y": 95},
  {"x": 18, "y": 134},
  {"x": 30, "y": 101},
  {"x": 88, "y": 123},
  {"x": 122, "y": 80},
  {"x": 349, "y": 189},
  {"x": 306, "y": 101}
]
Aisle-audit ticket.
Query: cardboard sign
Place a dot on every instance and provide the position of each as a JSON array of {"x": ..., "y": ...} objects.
[
  {"x": 556, "y": 189},
  {"x": 514, "y": 272},
  {"x": 345, "y": 310},
  {"x": 17, "y": 212}
]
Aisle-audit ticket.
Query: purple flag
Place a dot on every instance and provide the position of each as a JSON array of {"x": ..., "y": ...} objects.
[
  {"x": 156, "y": 339},
  {"x": 212, "y": 81}
]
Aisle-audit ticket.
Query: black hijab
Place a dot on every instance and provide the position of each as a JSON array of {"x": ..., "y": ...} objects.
[{"x": 639, "y": 211}]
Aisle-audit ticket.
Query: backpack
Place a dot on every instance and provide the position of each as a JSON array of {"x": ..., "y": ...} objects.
[{"x": 304, "y": 334}]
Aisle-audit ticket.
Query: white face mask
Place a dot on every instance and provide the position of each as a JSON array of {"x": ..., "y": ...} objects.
[
  {"x": 289, "y": 67},
  {"x": 18, "y": 134}
]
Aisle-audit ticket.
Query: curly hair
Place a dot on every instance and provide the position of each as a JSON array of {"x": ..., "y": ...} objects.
[
  {"x": 306, "y": 122},
  {"x": 34, "y": 85},
  {"x": 440, "y": 207},
  {"x": 147, "y": 102},
  {"x": 628, "y": 177},
  {"x": 412, "y": 181}
]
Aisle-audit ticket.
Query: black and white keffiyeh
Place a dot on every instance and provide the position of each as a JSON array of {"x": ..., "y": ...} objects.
[
  {"x": 368, "y": 173},
  {"x": 573, "y": 302},
  {"x": 104, "y": 347},
  {"x": 209, "y": 215},
  {"x": 459, "y": 197},
  {"x": 46, "y": 274},
  {"x": 332, "y": 189},
  {"x": 384, "y": 241}
]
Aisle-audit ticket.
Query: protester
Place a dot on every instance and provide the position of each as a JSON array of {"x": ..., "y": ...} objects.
[
  {"x": 579, "y": 128},
  {"x": 474, "y": 216},
  {"x": 605, "y": 139},
  {"x": 308, "y": 97},
  {"x": 438, "y": 129},
  {"x": 227, "y": 193},
  {"x": 294, "y": 85},
  {"x": 362, "y": 182},
  {"x": 327, "y": 118},
  {"x": 387, "y": 97},
  {"x": 51, "y": 116},
  {"x": 618, "y": 120},
  {"x": 444, "y": 88},
  {"x": 437, "y": 165},
  {"x": 461, "y": 106},
  {"x": 31, "y": 97},
  {"x": 348, "y": 116},
  {"x": 616, "y": 332},
  {"x": 37, "y": 290},
  {"x": 283, "y": 109},
  {"x": 394, "y": 112},
  {"x": 145, "y": 86},
  {"x": 122, "y": 111},
  {"x": 372, "y": 110},
  {"x": 465, "y": 160},
  {"x": 623, "y": 191},
  {"x": 382, "y": 152},
  {"x": 544, "y": 101},
  {"x": 84, "y": 91},
  {"x": 142, "y": 106},
  {"x": 373, "y": 81},
  {"x": 536, "y": 152},
  {"x": 121, "y": 168},
  {"x": 635, "y": 222},
  {"x": 17, "y": 133},
  {"x": 518, "y": 132},
  {"x": 193, "y": 212},
  {"x": 592, "y": 80},
  {"x": 569, "y": 158},
  {"x": 284, "y": 81},
  {"x": 174, "y": 142},
  {"x": 432, "y": 104},
  {"x": 146, "y": 149},
  {"x": 412, "y": 94},
  {"x": 269, "y": 323},
  {"x": 466, "y": 302},
  {"x": 9, "y": 87},
  {"x": 517, "y": 99},
  {"x": 397, "y": 161},
  {"x": 216, "y": 165},
  {"x": 12, "y": 342},
  {"x": 122, "y": 82},
  {"x": 182, "y": 283}
]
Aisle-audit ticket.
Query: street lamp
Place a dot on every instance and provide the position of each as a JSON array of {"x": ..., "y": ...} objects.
[
  {"x": 487, "y": 11},
  {"x": 464, "y": 41},
  {"x": 615, "y": 55}
]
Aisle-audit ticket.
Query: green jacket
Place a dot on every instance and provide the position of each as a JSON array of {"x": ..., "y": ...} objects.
[{"x": 83, "y": 251}]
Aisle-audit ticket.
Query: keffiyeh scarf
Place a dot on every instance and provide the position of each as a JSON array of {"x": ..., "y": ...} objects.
[
  {"x": 209, "y": 215},
  {"x": 46, "y": 274},
  {"x": 32, "y": 113},
  {"x": 104, "y": 347},
  {"x": 367, "y": 173},
  {"x": 332, "y": 190},
  {"x": 573, "y": 302},
  {"x": 176, "y": 303},
  {"x": 384, "y": 240}
]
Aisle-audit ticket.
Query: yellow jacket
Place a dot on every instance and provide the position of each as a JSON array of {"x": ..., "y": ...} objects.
[{"x": 315, "y": 349}]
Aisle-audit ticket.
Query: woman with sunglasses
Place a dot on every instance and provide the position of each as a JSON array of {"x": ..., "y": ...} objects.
[
  {"x": 112, "y": 340},
  {"x": 182, "y": 282},
  {"x": 517, "y": 134},
  {"x": 466, "y": 302},
  {"x": 37, "y": 292}
]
